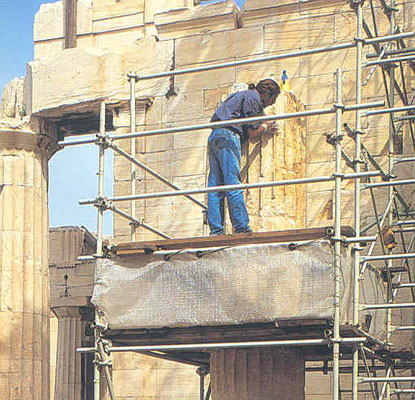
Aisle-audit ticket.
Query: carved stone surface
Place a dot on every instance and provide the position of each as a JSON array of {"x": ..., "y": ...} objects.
[
  {"x": 257, "y": 374},
  {"x": 24, "y": 273}
]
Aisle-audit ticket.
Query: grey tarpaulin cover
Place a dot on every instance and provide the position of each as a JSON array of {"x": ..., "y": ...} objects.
[{"x": 238, "y": 285}]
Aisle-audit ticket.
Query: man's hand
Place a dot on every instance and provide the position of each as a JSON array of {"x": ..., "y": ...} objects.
[
  {"x": 265, "y": 127},
  {"x": 271, "y": 127}
]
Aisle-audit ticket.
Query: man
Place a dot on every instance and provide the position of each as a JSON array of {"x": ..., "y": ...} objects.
[{"x": 224, "y": 148}]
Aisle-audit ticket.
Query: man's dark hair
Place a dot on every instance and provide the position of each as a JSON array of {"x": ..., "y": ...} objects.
[{"x": 268, "y": 86}]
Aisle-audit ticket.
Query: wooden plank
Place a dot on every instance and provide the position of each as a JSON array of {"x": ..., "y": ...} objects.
[{"x": 294, "y": 235}]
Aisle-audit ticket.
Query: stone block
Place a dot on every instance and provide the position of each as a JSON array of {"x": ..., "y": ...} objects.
[
  {"x": 317, "y": 384},
  {"x": 130, "y": 360},
  {"x": 12, "y": 101},
  {"x": 109, "y": 8},
  {"x": 97, "y": 74},
  {"x": 325, "y": 168},
  {"x": 314, "y": 90},
  {"x": 118, "y": 22},
  {"x": 299, "y": 33},
  {"x": 182, "y": 107},
  {"x": 318, "y": 150},
  {"x": 324, "y": 63},
  {"x": 191, "y": 139},
  {"x": 121, "y": 39},
  {"x": 189, "y": 161},
  {"x": 314, "y": 7},
  {"x": 48, "y": 22},
  {"x": 132, "y": 382},
  {"x": 159, "y": 143},
  {"x": 48, "y": 49},
  {"x": 154, "y": 111},
  {"x": 258, "y": 4},
  {"x": 212, "y": 99},
  {"x": 205, "y": 80},
  {"x": 320, "y": 211},
  {"x": 218, "y": 46},
  {"x": 164, "y": 6},
  {"x": 162, "y": 162},
  {"x": 84, "y": 17},
  {"x": 122, "y": 169},
  {"x": 254, "y": 73},
  {"x": 121, "y": 116},
  {"x": 178, "y": 18},
  {"x": 180, "y": 382}
]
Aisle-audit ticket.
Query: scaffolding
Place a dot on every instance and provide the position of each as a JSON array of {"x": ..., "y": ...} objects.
[{"x": 390, "y": 53}]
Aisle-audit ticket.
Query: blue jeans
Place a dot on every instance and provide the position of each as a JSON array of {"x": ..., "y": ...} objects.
[{"x": 224, "y": 148}]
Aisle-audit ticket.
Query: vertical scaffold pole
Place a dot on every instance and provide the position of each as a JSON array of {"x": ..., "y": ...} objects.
[
  {"x": 390, "y": 189},
  {"x": 100, "y": 235},
  {"x": 337, "y": 236},
  {"x": 132, "y": 152},
  {"x": 356, "y": 255}
]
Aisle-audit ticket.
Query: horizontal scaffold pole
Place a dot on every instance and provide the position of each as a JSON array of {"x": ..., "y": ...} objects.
[
  {"x": 226, "y": 345},
  {"x": 281, "y": 56},
  {"x": 388, "y": 379},
  {"x": 403, "y": 285},
  {"x": 386, "y": 306},
  {"x": 228, "y": 188},
  {"x": 389, "y": 60},
  {"x": 387, "y": 257},
  {"x": 389, "y": 183},
  {"x": 388, "y": 110},
  {"x": 220, "y": 124}
]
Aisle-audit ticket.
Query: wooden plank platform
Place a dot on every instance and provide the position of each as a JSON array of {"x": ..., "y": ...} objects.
[{"x": 293, "y": 235}]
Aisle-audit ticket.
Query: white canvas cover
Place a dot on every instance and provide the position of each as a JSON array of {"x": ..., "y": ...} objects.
[{"x": 236, "y": 285}]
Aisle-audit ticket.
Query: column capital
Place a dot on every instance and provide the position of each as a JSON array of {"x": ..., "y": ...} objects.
[
  {"x": 67, "y": 311},
  {"x": 28, "y": 140}
]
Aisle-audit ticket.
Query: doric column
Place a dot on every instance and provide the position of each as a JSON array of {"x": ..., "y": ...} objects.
[
  {"x": 68, "y": 382},
  {"x": 257, "y": 374},
  {"x": 24, "y": 272}
]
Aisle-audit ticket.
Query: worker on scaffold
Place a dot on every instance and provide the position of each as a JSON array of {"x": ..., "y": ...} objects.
[{"x": 224, "y": 149}]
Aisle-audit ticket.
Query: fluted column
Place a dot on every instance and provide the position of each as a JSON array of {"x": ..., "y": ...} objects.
[
  {"x": 68, "y": 382},
  {"x": 24, "y": 272},
  {"x": 257, "y": 374}
]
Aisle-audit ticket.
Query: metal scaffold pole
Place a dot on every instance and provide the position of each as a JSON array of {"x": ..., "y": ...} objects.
[
  {"x": 357, "y": 161},
  {"x": 337, "y": 238},
  {"x": 101, "y": 357},
  {"x": 390, "y": 188},
  {"x": 100, "y": 234},
  {"x": 132, "y": 152}
]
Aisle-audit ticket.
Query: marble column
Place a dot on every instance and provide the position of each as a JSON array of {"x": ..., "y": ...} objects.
[
  {"x": 24, "y": 272},
  {"x": 68, "y": 382},
  {"x": 257, "y": 374}
]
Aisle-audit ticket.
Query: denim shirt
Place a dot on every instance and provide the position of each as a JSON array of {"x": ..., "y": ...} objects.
[{"x": 244, "y": 104}]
